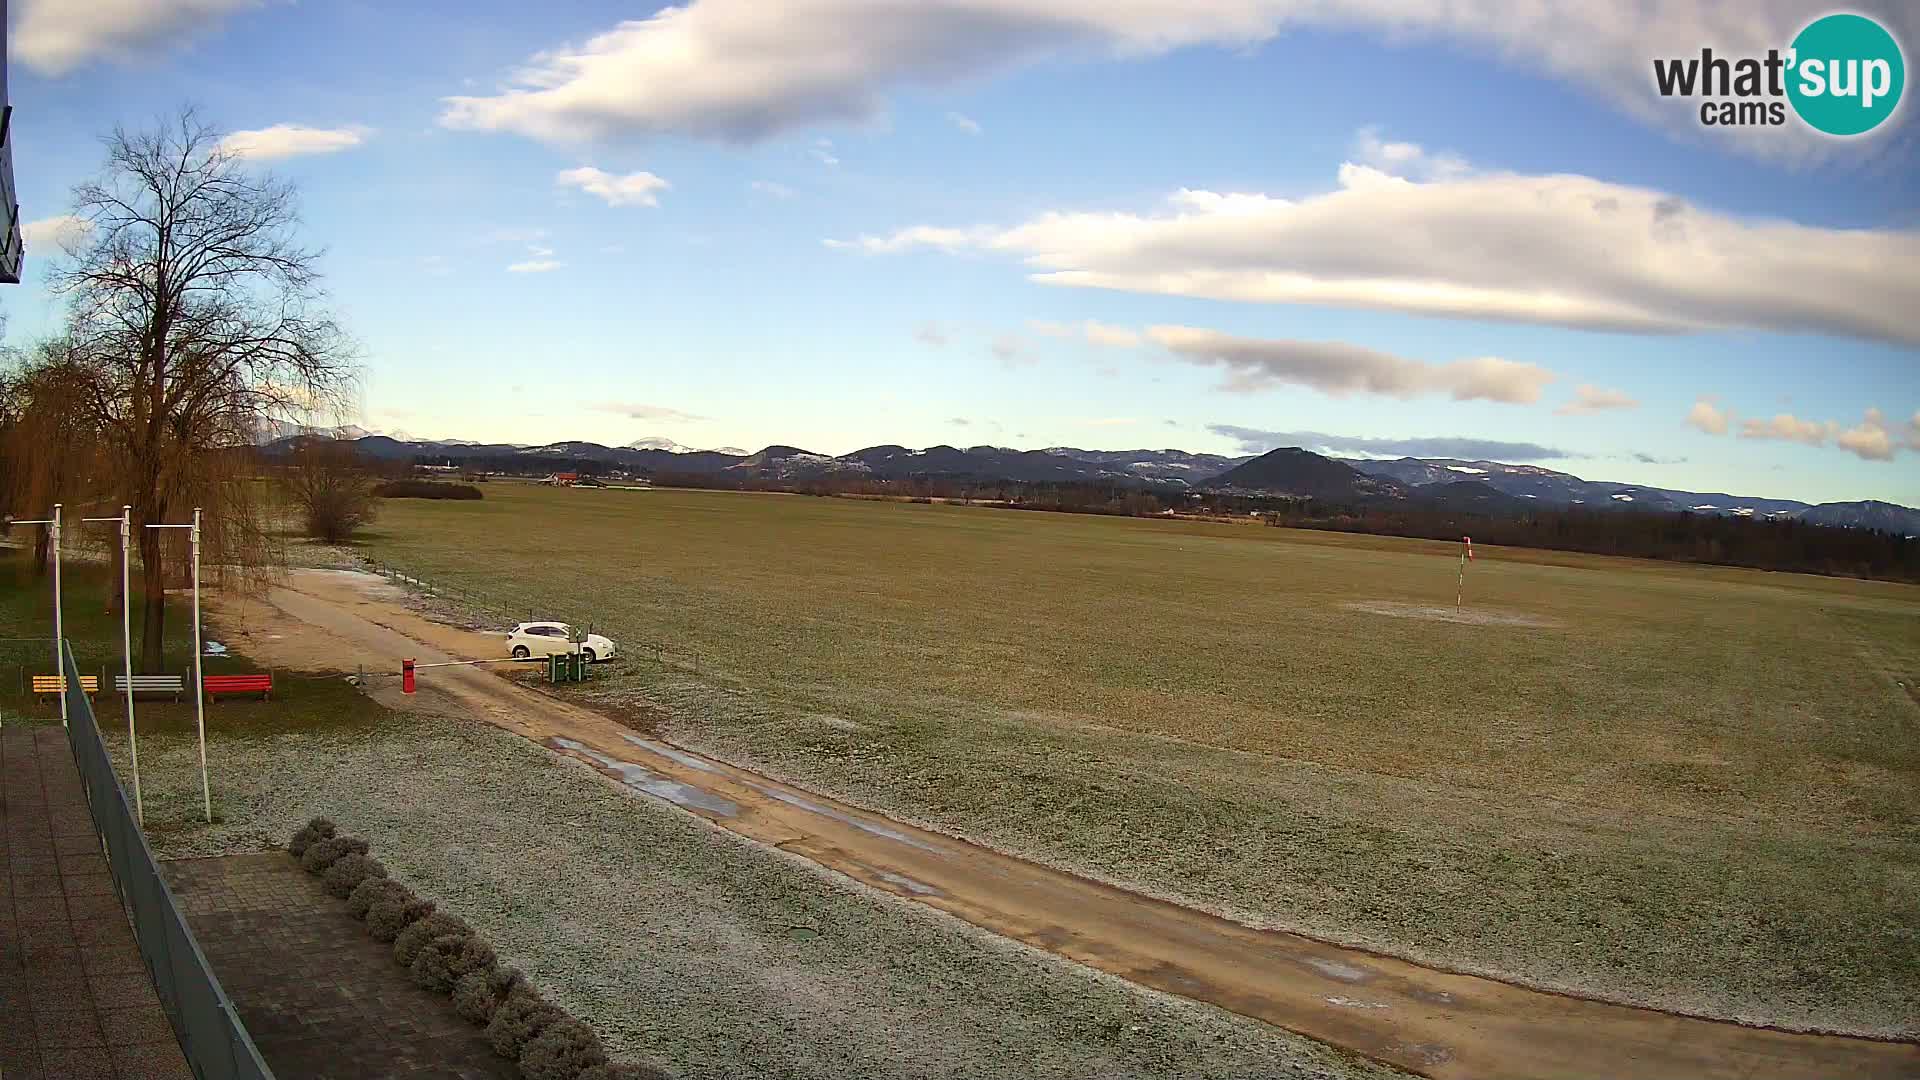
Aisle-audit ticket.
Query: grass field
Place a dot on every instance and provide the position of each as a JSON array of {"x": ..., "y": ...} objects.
[{"x": 1690, "y": 787}]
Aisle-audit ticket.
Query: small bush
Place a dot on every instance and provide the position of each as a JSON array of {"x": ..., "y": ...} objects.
[
  {"x": 348, "y": 871},
  {"x": 312, "y": 832},
  {"x": 561, "y": 1051},
  {"x": 324, "y": 853},
  {"x": 387, "y": 917},
  {"x": 410, "y": 941},
  {"x": 426, "y": 489},
  {"x": 371, "y": 891},
  {"x": 477, "y": 993},
  {"x": 432, "y": 967},
  {"x": 520, "y": 1016},
  {"x": 619, "y": 1070}
]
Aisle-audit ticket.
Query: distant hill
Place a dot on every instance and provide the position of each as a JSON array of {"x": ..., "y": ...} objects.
[
  {"x": 1476, "y": 496},
  {"x": 1293, "y": 471},
  {"x": 1868, "y": 514}
]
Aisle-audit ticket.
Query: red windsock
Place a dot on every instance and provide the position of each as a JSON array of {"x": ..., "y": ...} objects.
[{"x": 1469, "y": 542}]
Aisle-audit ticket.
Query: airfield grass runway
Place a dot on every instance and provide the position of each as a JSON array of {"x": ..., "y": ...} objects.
[{"x": 1687, "y": 787}]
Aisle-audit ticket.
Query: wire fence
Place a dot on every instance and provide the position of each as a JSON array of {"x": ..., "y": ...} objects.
[
  {"x": 215, "y": 1043},
  {"x": 493, "y": 608}
]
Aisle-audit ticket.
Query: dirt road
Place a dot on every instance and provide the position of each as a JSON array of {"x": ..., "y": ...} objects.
[{"x": 1429, "y": 1022}]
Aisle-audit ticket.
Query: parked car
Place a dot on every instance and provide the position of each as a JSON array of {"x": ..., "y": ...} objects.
[{"x": 546, "y": 638}]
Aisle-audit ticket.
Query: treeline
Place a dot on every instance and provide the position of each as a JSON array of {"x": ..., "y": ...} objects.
[{"x": 1762, "y": 544}]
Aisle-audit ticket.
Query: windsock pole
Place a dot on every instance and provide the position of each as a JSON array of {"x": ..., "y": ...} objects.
[{"x": 1460, "y": 587}]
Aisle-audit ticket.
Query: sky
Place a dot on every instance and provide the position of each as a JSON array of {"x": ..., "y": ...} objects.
[{"x": 1369, "y": 227}]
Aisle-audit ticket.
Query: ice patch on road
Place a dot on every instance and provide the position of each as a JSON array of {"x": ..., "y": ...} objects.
[
  {"x": 1352, "y": 1003},
  {"x": 826, "y": 811},
  {"x": 652, "y": 783},
  {"x": 1334, "y": 969},
  {"x": 672, "y": 754}
]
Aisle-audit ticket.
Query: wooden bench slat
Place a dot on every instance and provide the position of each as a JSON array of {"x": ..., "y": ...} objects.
[
  {"x": 57, "y": 684},
  {"x": 237, "y": 684}
]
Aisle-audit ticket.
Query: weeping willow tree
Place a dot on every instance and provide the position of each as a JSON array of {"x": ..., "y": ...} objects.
[{"x": 196, "y": 320}]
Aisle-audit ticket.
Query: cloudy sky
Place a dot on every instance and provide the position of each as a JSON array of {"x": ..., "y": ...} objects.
[{"x": 1367, "y": 226}]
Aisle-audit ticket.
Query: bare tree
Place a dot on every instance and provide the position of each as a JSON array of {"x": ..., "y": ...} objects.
[
  {"x": 331, "y": 488},
  {"x": 49, "y": 443},
  {"x": 200, "y": 319}
]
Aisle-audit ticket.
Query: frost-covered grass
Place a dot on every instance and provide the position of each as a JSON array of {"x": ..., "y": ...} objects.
[
  {"x": 1684, "y": 786},
  {"x": 685, "y": 945}
]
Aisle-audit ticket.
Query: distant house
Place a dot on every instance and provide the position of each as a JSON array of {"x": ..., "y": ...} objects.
[{"x": 562, "y": 479}]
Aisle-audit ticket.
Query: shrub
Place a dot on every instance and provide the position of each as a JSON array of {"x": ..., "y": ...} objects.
[
  {"x": 432, "y": 967},
  {"x": 410, "y": 941},
  {"x": 426, "y": 489},
  {"x": 325, "y": 853},
  {"x": 348, "y": 871},
  {"x": 371, "y": 891},
  {"x": 520, "y": 1016},
  {"x": 619, "y": 1070},
  {"x": 477, "y": 993},
  {"x": 313, "y": 831},
  {"x": 561, "y": 1051},
  {"x": 387, "y": 917}
]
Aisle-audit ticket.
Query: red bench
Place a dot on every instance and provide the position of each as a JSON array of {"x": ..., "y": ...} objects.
[{"x": 261, "y": 684}]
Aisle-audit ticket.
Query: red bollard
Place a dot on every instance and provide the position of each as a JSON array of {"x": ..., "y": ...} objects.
[{"x": 406, "y": 676}]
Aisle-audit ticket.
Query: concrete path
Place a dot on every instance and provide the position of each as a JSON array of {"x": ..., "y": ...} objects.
[
  {"x": 1429, "y": 1022},
  {"x": 75, "y": 999}
]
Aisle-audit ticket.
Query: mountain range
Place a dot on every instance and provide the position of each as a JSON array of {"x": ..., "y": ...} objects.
[{"x": 1452, "y": 483}]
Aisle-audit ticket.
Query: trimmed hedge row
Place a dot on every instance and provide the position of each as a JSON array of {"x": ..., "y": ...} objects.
[{"x": 443, "y": 954}]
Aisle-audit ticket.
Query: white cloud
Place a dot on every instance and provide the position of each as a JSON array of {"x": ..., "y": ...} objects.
[
  {"x": 1405, "y": 158},
  {"x": 1868, "y": 439},
  {"x": 822, "y": 152},
  {"x": 292, "y": 140},
  {"x": 965, "y": 123},
  {"x": 1872, "y": 439},
  {"x": 1340, "y": 369},
  {"x": 1117, "y": 336},
  {"x": 637, "y": 411},
  {"x": 54, "y": 37},
  {"x": 1098, "y": 333},
  {"x": 772, "y": 189},
  {"x": 1588, "y": 398},
  {"x": 1709, "y": 417},
  {"x": 740, "y": 70},
  {"x": 535, "y": 266},
  {"x": 1558, "y": 250},
  {"x": 917, "y": 236},
  {"x": 1789, "y": 427},
  {"x": 633, "y": 189},
  {"x": 60, "y": 233}
]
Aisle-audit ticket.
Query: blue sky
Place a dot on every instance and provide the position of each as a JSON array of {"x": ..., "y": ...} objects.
[{"x": 822, "y": 223}]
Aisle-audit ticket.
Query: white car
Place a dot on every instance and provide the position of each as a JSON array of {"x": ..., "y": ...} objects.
[{"x": 547, "y": 638}]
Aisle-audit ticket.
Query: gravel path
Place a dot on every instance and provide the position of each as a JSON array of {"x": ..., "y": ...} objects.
[{"x": 685, "y": 945}]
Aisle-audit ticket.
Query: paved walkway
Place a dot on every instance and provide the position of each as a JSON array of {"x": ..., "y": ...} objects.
[
  {"x": 75, "y": 998},
  {"x": 351, "y": 1013}
]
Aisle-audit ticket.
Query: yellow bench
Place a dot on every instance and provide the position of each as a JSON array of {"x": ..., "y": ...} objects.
[{"x": 48, "y": 685}]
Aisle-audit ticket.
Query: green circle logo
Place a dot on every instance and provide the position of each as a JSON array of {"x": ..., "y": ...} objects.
[{"x": 1847, "y": 74}]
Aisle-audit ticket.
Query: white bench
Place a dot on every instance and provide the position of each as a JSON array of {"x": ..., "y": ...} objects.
[{"x": 152, "y": 684}]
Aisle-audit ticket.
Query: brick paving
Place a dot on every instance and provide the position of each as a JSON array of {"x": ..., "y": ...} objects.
[
  {"x": 320, "y": 997},
  {"x": 76, "y": 1002}
]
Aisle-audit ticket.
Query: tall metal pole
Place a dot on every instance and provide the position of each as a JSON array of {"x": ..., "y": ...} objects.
[
  {"x": 58, "y": 635},
  {"x": 199, "y": 699},
  {"x": 126, "y": 651}
]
